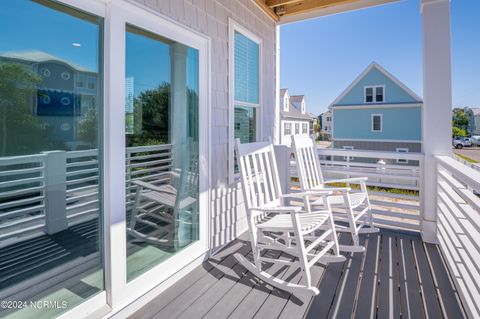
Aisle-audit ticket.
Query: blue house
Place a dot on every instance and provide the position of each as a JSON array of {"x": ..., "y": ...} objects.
[{"x": 377, "y": 112}]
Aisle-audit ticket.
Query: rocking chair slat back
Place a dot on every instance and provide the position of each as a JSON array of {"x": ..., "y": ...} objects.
[
  {"x": 308, "y": 164},
  {"x": 258, "y": 169}
]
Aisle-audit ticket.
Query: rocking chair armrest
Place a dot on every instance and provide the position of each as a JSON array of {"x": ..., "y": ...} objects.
[
  {"x": 313, "y": 192},
  {"x": 353, "y": 180},
  {"x": 333, "y": 189},
  {"x": 149, "y": 186},
  {"x": 279, "y": 209}
]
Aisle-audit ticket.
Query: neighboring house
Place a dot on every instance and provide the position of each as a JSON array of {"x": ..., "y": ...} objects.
[
  {"x": 313, "y": 123},
  {"x": 327, "y": 123},
  {"x": 66, "y": 92},
  {"x": 377, "y": 112},
  {"x": 294, "y": 119},
  {"x": 473, "y": 120}
]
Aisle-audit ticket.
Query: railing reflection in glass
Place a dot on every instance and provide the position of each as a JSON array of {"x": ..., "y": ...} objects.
[
  {"x": 161, "y": 126},
  {"x": 50, "y": 150}
]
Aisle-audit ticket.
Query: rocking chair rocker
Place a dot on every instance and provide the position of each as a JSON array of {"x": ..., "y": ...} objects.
[
  {"x": 274, "y": 226},
  {"x": 355, "y": 204}
]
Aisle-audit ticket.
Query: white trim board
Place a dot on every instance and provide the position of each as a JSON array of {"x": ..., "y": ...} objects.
[
  {"x": 376, "y": 106},
  {"x": 386, "y": 73}
]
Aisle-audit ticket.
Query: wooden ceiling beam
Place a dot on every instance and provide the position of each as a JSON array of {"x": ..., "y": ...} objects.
[
  {"x": 277, "y": 3},
  {"x": 310, "y": 5},
  {"x": 269, "y": 11}
]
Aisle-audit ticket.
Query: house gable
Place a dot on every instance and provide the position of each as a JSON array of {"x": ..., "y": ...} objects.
[{"x": 395, "y": 91}]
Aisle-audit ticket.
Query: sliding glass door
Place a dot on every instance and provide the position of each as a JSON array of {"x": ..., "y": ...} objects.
[
  {"x": 103, "y": 155},
  {"x": 161, "y": 139},
  {"x": 51, "y": 107}
]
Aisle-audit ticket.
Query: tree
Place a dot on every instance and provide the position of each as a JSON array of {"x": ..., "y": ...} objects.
[
  {"x": 88, "y": 127},
  {"x": 21, "y": 131},
  {"x": 151, "y": 117},
  {"x": 460, "y": 119},
  {"x": 456, "y": 131}
]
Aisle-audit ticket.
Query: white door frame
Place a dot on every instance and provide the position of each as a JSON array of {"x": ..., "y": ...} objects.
[{"x": 118, "y": 293}]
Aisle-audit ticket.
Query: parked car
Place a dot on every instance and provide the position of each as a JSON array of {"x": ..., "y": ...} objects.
[
  {"x": 475, "y": 140},
  {"x": 461, "y": 142}
]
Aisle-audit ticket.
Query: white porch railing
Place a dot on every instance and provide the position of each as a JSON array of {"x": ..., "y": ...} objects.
[
  {"x": 44, "y": 193},
  {"x": 458, "y": 233},
  {"x": 394, "y": 187}
]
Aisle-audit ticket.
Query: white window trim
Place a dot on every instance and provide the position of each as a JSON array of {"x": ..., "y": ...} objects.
[
  {"x": 304, "y": 125},
  {"x": 232, "y": 27},
  {"x": 402, "y": 150},
  {"x": 285, "y": 128},
  {"x": 372, "y": 123},
  {"x": 374, "y": 97}
]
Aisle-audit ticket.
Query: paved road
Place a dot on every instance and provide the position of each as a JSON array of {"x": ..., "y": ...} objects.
[{"x": 472, "y": 152}]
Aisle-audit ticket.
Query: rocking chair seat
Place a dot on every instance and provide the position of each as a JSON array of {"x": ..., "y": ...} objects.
[
  {"x": 283, "y": 222},
  {"x": 166, "y": 195},
  {"x": 356, "y": 200}
]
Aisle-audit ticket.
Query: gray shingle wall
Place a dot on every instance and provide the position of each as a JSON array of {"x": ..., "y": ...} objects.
[{"x": 210, "y": 17}]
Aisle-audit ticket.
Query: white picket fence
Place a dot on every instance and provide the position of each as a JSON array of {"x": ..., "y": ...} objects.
[
  {"x": 395, "y": 188},
  {"x": 458, "y": 209},
  {"x": 38, "y": 191}
]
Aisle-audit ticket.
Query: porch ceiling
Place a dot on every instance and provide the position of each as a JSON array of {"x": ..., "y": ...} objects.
[{"x": 284, "y": 11}]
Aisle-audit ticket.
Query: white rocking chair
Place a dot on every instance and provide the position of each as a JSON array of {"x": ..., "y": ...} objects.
[
  {"x": 159, "y": 206},
  {"x": 356, "y": 204},
  {"x": 274, "y": 226}
]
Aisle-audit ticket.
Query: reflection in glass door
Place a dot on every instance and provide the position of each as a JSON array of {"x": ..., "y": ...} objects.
[
  {"x": 51, "y": 256},
  {"x": 162, "y": 162}
]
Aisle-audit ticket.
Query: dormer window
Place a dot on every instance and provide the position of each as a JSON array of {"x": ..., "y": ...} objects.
[
  {"x": 285, "y": 103},
  {"x": 375, "y": 94}
]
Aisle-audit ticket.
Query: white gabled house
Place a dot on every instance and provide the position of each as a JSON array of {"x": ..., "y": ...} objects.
[
  {"x": 294, "y": 118},
  {"x": 102, "y": 230}
]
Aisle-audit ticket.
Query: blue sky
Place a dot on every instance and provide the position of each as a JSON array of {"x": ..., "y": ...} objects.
[
  {"x": 321, "y": 57},
  {"x": 30, "y": 26}
]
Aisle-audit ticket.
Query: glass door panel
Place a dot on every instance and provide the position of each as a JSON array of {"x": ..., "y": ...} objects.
[
  {"x": 51, "y": 106},
  {"x": 162, "y": 162}
]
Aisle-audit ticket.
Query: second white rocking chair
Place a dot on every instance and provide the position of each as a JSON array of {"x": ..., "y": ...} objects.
[
  {"x": 274, "y": 226},
  {"x": 356, "y": 205}
]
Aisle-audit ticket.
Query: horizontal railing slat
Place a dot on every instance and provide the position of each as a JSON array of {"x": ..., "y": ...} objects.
[{"x": 459, "y": 227}]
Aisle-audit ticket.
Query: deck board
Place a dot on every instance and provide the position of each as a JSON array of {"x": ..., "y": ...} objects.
[
  {"x": 366, "y": 302},
  {"x": 347, "y": 293},
  {"x": 429, "y": 293},
  {"x": 412, "y": 305},
  {"x": 397, "y": 276}
]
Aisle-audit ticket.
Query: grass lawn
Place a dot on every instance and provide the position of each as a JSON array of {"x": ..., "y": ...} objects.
[{"x": 468, "y": 159}]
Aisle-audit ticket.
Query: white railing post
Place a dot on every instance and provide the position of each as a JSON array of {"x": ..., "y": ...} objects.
[
  {"x": 55, "y": 192},
  {"x": 437, "y": 109},
  {"x": 282, "y": 155}
]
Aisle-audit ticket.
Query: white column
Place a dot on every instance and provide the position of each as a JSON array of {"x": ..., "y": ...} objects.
[
  {"x": 437, "y": 110},
  {"x": 55, "y": 192},
  {"x": 276, "y": 125},
  {"x": 178, "y": 107},
  {"x": 179, "y": 123}
]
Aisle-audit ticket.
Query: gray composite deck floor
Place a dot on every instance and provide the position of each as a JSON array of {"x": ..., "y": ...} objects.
[{"x": 397, "y": 277}]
